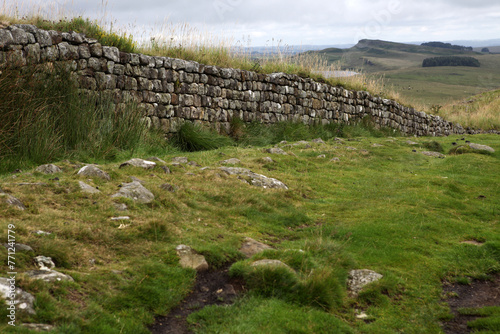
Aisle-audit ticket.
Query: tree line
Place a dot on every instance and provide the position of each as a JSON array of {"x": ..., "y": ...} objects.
[
  {"x": 451, "y": 61},
  {"x": 448, "y": 46}
]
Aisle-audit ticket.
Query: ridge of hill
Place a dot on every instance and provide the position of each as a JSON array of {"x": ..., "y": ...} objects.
[{"x": 401, "y": 66}]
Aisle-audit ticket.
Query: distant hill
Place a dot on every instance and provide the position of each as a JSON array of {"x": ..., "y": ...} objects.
[{"x": 401, "y": 65}]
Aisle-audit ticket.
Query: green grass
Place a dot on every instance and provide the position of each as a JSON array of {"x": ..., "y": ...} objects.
[{"x": 392, "y": 210}]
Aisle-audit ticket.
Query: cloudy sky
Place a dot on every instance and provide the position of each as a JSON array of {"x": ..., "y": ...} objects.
[{"x": 294, "y": 22}]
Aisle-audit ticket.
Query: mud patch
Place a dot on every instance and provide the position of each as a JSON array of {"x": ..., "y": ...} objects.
[
  {"x": 212, "y": 287},
  {"x": 475, "y": 295}
]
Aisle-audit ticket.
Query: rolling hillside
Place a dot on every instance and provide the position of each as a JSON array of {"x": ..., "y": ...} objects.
[{"x": 401, "y": 65}]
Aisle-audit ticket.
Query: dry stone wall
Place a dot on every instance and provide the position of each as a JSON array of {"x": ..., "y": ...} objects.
[{"x": 172, "y": 91}]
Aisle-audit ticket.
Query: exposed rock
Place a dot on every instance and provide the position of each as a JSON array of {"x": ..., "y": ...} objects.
[
  {"x": 377, "y": 145},
  {"x": 48, "y": 169},
  {"x": 39, "y": 327},
  {"x": 11, "y": 200},
  {"x": 335, "y": 159},
  {"x": 480, "y": 147},
  {"x": 433, "y": 154},
  {"x": 409, "y": 142},
  {"x": 232, "y": 161},
  {"x": 359, "y": 279},
  {"x": 121, "y": 206},
  {"x": 40, "y": 232},
  {"x": 44, "y": 262},
  {"x": 318, "y": 141},
  {"x": 271, "y": 263},
  {"x": 194, "y": 163},
  {"x": 87, "y": 189},
  {"x": 20, "y": 247},
  {"x": 156, "y": 159},
  {"x": 276, "y": 150},
  {"x": 135, "y": 179},
  {"x": 350, "y": 148},
  {"x": 251, "y": 247},
  {"x": 321, "y": 156},
  {"x": 120, "y": 218},
  {"x": 140, "y": 163},
  {"x": 23, "y": 300},
  {"x": 267, "y": 160},
  {"x": 254, "y": 178},
  {"x": 48, "y": 275},
  {"x": 302, "y": 143},
  {"x": 93, "y": 171},
  {"x": 136, "y": 192},
  {"x": 180, "y": 160},
  {"x": 166, "y": 169},
  {"x": 190, "y": 259}
]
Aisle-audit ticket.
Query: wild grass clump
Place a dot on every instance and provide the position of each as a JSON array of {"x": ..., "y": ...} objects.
[
  {"x": 44, "y": 117},
  {"x": 91, "y": 29},
  {"x": 191, "y": 138},
  {"x": 303, "y": 283},
  {"x": 478, "y": 112}
]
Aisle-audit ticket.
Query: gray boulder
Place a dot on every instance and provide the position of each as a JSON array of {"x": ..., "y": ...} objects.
[
  {"x": 48, "y": 169},
  {"x": 255, "y": 179},
  {"x": 358, "y": 279},
  {"x": 479, "y": 147},
  {"x": 140, "y": 163},
  {"x": 11, "y": 200},
  {"x": 22, "y": 300},
  {"x": 48, "y": 275},
  {"x": 87, "y": 189},
  {"x": 180, "y": 160},
  {"x": 232, "y": 161},
  {"x": 136, "y": 192},
  {"x": 93, "y": 171},
  {"x": 190, "y": 259},
  {"x": 276, "y": 150},
  {"x": 20, "y": 247},
  {"x": 251, "y": 247},
  {"x": 433, "y": 154}
]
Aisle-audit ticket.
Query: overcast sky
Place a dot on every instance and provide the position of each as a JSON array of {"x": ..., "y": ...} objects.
[{"x": 294, "y": 22}]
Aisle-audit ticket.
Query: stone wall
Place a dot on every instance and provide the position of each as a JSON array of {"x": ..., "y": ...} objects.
[{"x": 171, "y": 91}]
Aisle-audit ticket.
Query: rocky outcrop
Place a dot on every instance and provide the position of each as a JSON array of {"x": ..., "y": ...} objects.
[{"x": 254, "y": 178}]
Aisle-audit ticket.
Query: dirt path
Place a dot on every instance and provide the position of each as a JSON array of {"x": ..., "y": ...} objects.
[
  {"x": 478, "y": 294},
  {"x": 212, "y": 287}
]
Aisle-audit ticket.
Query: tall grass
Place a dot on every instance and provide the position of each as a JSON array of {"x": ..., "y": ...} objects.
[
  {"x": 44, "y": 117},
  {"x": 481, "y": 111}
]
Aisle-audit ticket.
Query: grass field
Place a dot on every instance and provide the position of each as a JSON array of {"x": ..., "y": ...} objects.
[{"x": 388, "y": 209}]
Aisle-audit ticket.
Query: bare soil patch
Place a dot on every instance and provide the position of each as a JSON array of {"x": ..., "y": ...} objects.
[
  {"x": 475, "y": 295},
  {"x": 212, "y": 287}
]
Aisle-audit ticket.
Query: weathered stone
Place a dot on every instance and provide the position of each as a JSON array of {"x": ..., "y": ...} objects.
[
  {"x": 140, "y": 163},
  {"x": 168, "y": 187},
  {"x": 11, "y": 200},
  {"x": 276, "y": 150},
  {"x": 479, "y": 147},
  {"x": 254, "y": 178},
  {"x": 6, "y": 38},
  {"x": 232, "y": 161},
  {"x": 190, "y": 259},
  {"x": 39, "y": 327},
  {"x": 251, "y": 247},
  {"x": 180, "y": 160},
  {"x": 433, "y": 154},
  {"x": 48, "y": 275},
  {"x": 48, "y": 169},
  {"x": 121, "y": 206},
  {"x": 23, "y": 300},
  {"x": 267, "y": 160},
  {"x": 87, "y": 188},
  {"x": 20, "y": 247},
  {"x": 93, "y": 171},
  {"x": 318, "y": 141},
  {"x": 358, "y": 279},
  {"x": 136, "y": 192}
]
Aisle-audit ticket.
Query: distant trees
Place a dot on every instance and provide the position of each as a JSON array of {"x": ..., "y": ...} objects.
[
  {"x": 485, "y": 50},
  {"x": 447, "y": 46},
  {"x": 451, "y": 61}
]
